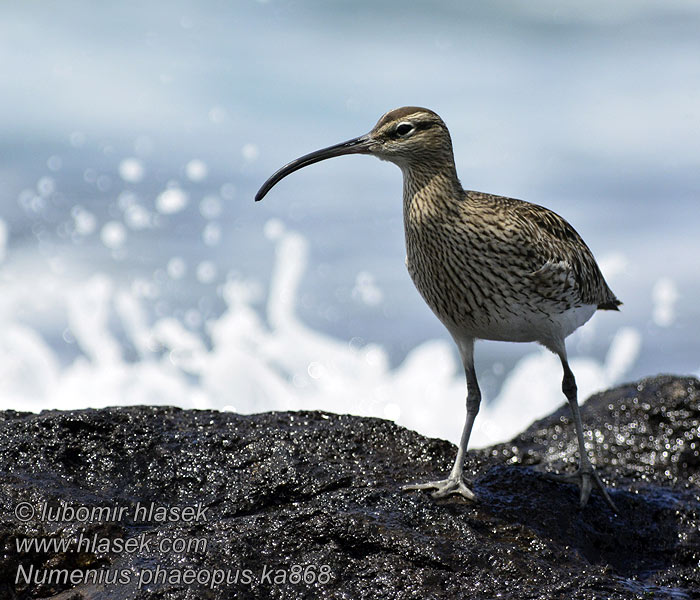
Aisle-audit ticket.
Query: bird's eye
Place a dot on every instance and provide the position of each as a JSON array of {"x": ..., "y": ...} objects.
[{"x": 403, "y": 129}]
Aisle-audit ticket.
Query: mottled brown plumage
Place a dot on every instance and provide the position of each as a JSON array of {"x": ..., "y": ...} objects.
[{"x": 489, "y": 267}]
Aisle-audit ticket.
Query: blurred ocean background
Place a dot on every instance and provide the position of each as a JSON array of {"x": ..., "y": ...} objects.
[{"x": 136, "y": 268}]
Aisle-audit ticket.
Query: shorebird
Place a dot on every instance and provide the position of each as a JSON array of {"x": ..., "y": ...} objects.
[{"x": 489, "y": 267}]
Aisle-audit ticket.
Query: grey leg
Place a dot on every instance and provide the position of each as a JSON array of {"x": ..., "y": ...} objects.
[
  {"x": 585, "y": 475},
  {"x": 454, "y": 484}
]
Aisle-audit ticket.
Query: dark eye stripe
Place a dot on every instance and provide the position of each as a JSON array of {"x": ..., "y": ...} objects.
[
  {"x": 424, "y": 124},
  {"x": 418, "y": 126}
]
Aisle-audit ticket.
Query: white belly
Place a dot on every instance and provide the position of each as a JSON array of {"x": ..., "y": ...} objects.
[{"x": 528, "y": 326}]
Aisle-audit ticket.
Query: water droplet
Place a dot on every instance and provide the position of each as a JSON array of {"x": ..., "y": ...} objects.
[
  {"x": 210, "y": 207},
  {"x": 77, "y": 139},
  {"x": 206, "y": 272},
  {"x": 250, "y": 152},
  {"x": 137, "y": 217},
  {"x": 171, "y": 201},
  {"x": 176, "y": 267},
  {"x": 196, "y": 170},
  {"x": 84, "y": 222},
  {"x": 104, "y": 182},
  {"x": 113, "y": 235},
  {"x": 273, "y": 229},
  {"x": 45, "y": 186},
  {"x": 131, "y": 170},
  {"x": 54, "y": 163},
  {"x": 211, "y": 234},
  {"x": 315, "y": 370}
]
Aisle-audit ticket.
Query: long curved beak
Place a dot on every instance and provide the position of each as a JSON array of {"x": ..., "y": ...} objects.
[{"x": 359, "y": 145}]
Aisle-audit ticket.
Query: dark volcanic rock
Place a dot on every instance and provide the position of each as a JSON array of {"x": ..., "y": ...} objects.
[{"x": 308, "y": 505}]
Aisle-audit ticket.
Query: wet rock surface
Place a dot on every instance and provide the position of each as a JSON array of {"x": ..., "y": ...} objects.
[{"x": 308, "y": 505}]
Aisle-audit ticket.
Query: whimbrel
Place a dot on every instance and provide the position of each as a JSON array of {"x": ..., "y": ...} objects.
[{"x": 489, "y": 267}]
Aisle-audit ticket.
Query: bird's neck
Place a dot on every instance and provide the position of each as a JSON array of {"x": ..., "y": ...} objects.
[{"x": 429, "y": 192}]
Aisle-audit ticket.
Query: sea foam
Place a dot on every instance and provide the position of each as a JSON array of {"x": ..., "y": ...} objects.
[{"x": 252, "y": 360}]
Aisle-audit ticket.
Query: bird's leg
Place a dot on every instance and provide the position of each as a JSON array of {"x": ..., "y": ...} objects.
[
  {"x": 454, "y": 484},
  {"x": 586, "y": 475}
]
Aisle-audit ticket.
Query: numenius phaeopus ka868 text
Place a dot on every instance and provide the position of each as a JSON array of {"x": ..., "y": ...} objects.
[{"x": 489, "y": 267}]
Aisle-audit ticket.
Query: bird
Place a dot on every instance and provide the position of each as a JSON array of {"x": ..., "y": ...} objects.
[{"x": 489, "y": 267}]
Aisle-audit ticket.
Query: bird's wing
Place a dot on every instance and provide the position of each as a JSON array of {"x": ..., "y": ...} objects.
[
  {"x": 555, "y": 280},
  {"x": 569, "y": 264},
  {"x": 558, "y": 260}
]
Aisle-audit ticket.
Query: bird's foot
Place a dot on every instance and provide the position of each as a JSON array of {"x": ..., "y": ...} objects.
[
  {"x": 444, "y": 488},
  {"x": 585, "y": 477}
]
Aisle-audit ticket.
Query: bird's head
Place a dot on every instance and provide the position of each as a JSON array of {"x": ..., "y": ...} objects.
[
  {"x": 410, "y": 135},
  {"x": 405, "y": 136}
]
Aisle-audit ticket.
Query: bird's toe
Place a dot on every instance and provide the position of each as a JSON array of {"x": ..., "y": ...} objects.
[
  {"x": 586, "y": 479},
  {"x": 444, "y": 488},
  {"x": 586, "y": 487}
]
